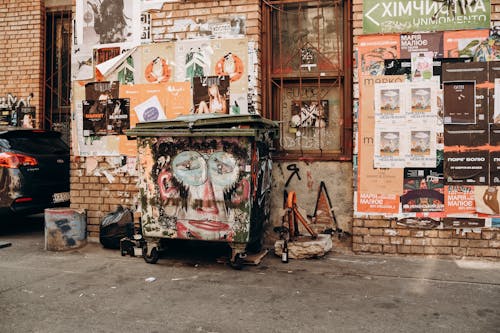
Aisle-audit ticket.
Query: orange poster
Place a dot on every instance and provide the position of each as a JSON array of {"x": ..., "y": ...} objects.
[
  {"x": 373, "y": 50},
  {"x": 463, "y": 44},
  {"x": 157, "y": 101},
  {"x": 378, "y": 189},
  {"x": 459, "y": 199}
]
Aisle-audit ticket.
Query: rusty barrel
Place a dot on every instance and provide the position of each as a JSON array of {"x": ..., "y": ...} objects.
[{"x": 65, "y": 228}]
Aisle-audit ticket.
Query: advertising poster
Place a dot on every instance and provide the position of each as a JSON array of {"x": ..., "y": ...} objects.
[
  {"x": 423, "y": 189},
  {"x": 386, "y": 16},
  {"x": 421, "y": 66},
  {"x": 374, "y": 50},
  {"x": 391, "y": 146},
  {"x": 467, "y": 168},
  {"x": 82, "y": 63},
  {"x": 193, "y": 58},
  {"x": 423, "y": 101},
  {"x": 422, "y": 42},
  {"x": 102, "y": 22},
  {"x": 378, "y": 188},
  {"x": 459, "y": 102},
  {"x": 464, "y": 44},
  {"x": 422, "y": 152},
  {"x": 211, "y": 94},
  {"x": 390, "y": 102},
  {"x": 94, "y": 117},
  {"x": 487, "y": 200},
  {"x": 157, "y": 63},
  {"x": 117, "y": 115},
  {"x": 178, "y": 100},
  {"x": 101, "y": 91},
  {"x": 494, "y": 168},
  {"x": 459, "y": 199},
  {"x": 26, "y": 116}
]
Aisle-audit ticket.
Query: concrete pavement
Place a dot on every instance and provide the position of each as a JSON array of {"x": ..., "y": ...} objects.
[{"x": 96, "y": 290}]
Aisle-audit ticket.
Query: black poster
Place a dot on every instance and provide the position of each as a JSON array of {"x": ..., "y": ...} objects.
[
  {"x": 5, "y": 117},
  {"x": 459, "y": 99},
  {"x": 118, "y": 115},
  {"x": 94, "y": 117},
  {"x": 455, "y": 222},
  {"x": 495, "y": 168},
  {"x": 466, "y": 168},
  {"x": 99, "y": 91},
  {"x": 211, "y": 94}
]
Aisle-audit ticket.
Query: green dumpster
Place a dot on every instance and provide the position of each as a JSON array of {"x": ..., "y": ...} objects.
[{"x": 205, "y": 178}]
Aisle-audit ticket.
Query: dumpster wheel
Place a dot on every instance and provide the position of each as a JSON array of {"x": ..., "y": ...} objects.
[{"x": 151, "y": 257}]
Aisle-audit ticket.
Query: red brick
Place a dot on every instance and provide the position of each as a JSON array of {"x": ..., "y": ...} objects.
[
  {"x": 376, "y": 240},
  {"x": 360, "y": 231},
  {"x": 415, "y": 241},
  {"x": 444, "y": 242},
  {"x": 377, "y": 223},
  {"x": 374, "y": 248},
  {"x": 479, "y": 252},
  {"x": 473, "y": 235},
  {"x": 473, "y": 243},
  {"x": 376, "y": 231},
  {"x": 389, "y": 248},
  {"x": 488, "y": 234}
]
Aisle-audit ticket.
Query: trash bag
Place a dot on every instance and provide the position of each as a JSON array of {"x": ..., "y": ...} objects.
[{"x": 116, "y": 225}]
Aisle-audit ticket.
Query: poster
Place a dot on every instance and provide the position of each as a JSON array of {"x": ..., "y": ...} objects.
[
  {"x": 422, "y": 152},
  {"x": 391, "y": 147},
  {"x": 26, "y": 116},
  {"x": 211, "y": 94},
  {"x": 494, "y": 168},
  {"x": 309, "y": 114},
  {"x": 390, "y": 102},
  {"x": 459, "y": 200},
  {"x": 496, "y": 104},
  {"x": 423, "y": 102},
  {"x": 464, "y": 44},
  {"x": 421, "y": 65},
  {"x": 386, "y": 16},
  {"x": 157, "y": 63},
  {"x": 422, "y": 42},
  {"x": 94, "y": 117},
  {"x": 98, "y": 91},
  {"x": 102, "y": 22},
  {"x": 423, "y": 189},
  {"x": 378, "y": 188},
  {"x": 487, "y": 200},
  {"x": 117, "y": 116},
  {"x": 373, "y": 50},
  {"x": 82, "y": 63},
  {"x": 461, "y": 223},
  {"x": 467, "y": 167},
  {"x": 459, "y": 99}
]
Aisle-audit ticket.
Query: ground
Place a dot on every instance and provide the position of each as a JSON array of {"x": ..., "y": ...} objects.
[{"x": 92, "y": 289}]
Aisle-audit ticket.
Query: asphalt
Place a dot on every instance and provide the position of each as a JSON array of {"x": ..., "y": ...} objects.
[{"x": 92, "y": 289}]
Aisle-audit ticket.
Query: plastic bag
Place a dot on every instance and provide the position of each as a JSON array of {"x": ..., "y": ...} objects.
[{"x": 116, "y": 225}]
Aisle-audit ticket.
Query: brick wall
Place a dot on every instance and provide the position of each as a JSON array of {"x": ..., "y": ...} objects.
[
  {"x": 380, "y": 235},
  {"x": 21, "y": 51},
  {"x": 95, "y": 193}
]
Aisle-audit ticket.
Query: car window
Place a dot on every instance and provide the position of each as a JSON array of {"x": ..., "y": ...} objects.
[{"x": 39, "y": 145}]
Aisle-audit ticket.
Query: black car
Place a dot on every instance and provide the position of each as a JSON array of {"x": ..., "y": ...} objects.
[{"x": 34, "y": 170}]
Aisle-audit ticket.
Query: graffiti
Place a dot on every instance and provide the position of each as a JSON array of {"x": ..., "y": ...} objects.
[
  {"x": 295, "y": 171},
  {"x": 12, "y": 109},
  {"x": 11, "y": 102}
]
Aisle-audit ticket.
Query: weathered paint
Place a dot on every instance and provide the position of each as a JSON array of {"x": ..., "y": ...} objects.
[
  {"x": 215, "y": 188},
  {"x": 65, "y": 228}
]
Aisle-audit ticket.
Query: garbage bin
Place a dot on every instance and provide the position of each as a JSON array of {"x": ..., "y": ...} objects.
[{"x": 205, "y": 178}]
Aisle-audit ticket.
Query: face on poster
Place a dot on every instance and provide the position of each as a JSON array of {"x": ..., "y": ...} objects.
[
  {"x": 210, "y": 94},
  {"x": 108, "y": 21}
]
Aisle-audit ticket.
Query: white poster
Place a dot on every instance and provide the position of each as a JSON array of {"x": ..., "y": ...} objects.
[
  {"x": 391, "y": 146},
  {"x": 104, "y": 22},
  {"x": 496, "y": 113},
  {"x": 422, "y": 101},
  {"x": 422, "y": 152},
  {"x": 390, "y": 102},
  {"x": 82, "y": 63}
]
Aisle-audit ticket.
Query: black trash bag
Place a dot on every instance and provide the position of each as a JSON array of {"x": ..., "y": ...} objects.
[{"x": 116, "y": 225}]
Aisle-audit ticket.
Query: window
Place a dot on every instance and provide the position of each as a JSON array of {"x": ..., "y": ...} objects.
[{"x": 307, "y": 77}]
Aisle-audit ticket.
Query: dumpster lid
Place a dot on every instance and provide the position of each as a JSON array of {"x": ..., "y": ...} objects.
[{"x": 207, "y": 121}]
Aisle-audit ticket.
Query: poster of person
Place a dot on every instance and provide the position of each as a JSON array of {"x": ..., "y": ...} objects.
[
  {"x": 118, "y": 115},
  {"x": 309, "y": 114},
  {"x": 101, "y": 91},
  {"x": 423, "y": 190},
  {"x": 108, "y": 21},
  {"x": 94, "y": 117},
  {"x": 26, "y": 116},
  {"x": 211, "y": 94},
  {"x": 459, "y": 99}
]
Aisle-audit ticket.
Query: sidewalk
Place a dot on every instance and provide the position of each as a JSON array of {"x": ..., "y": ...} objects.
[{"x": 96, "y": 290}]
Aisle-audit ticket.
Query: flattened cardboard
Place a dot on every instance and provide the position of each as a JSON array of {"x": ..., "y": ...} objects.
[{"x": 466, "y": 168}]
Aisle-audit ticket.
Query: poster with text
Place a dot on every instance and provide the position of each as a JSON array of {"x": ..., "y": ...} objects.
[
  {"x": 157, "y": 63},
  {"x": 423, "y": 147},
  {"x": 459, "y": 199},
  {"x": 466, "y": 167},
  {"x": 463, "y": 44},
  {"x": 391, "y": 146},
  {"x": 94, "y": 117},
  {"x": 117, "y": 115},
  {"x": 378, "y": 188},
  {"x": 423, "y": 102},
  {"x": 459, "y": 99},
  {"x": 423, "y": 189},
  {"x": 390, "y": 102},
  {"x": 211, "y": 94},
  {"x": 101, "y": 91},
  {"x": 421, "y": 66},
  {"x": 422, "y": 42}
]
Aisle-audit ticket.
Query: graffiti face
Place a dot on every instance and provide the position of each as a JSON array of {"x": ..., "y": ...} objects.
[{"x": 202, "y": 189}]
